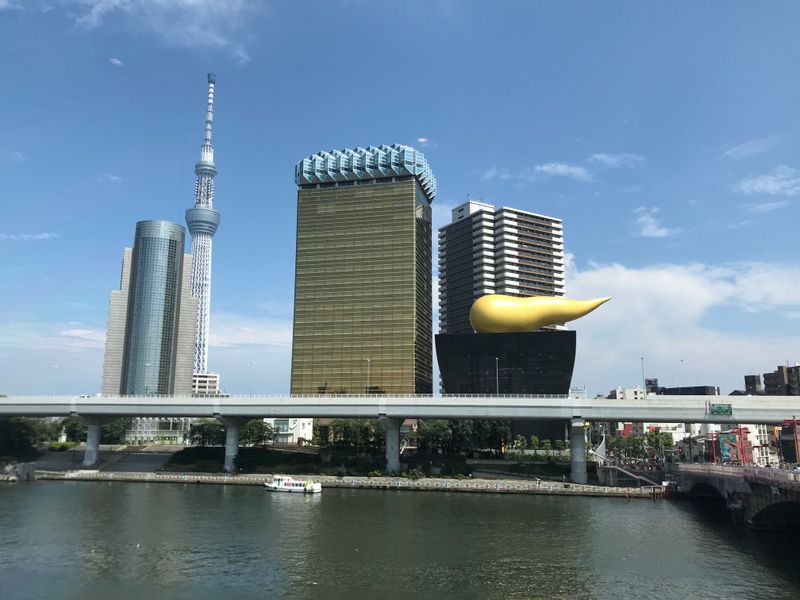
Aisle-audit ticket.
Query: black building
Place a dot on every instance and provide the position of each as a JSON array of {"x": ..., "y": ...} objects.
[{"x": 539, "y": 362}]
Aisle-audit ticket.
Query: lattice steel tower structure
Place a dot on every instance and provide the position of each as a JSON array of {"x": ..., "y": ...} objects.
[{"x": 203, "y": 221}]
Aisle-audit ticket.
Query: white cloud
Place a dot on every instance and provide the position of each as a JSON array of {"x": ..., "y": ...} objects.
[
  {"x": 616, "y": 160},
  {"x": 781, "y": 181},
  {"x": 230, "y": 330},
  {"x": 45, "y": 336},
  {"x": 17, "y": 155},
  {"x": 116, "y": 62},
  {"x": 759, "y": 208},
  {"x": 493, "y": 172},
  {"x": 187, "y": 23},
  {"x": 649, "y": 224},
  {"x": 94, "y": 337},
  {"x": 750, "y": 147},
  {"x": 27, "y": 237},
  {"x": 109, "y": 178},
  {"x": 557, "y": 169},
  {"x": 661, "y": 312}
]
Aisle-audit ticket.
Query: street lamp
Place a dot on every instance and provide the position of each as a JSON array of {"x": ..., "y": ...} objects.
[
  {"x": 147, "y": 378},
  {"x": 250, "y": 388},
  {"x": 369, "y": 361},
  {"x": 496, "y": 376},
  {"x": 644, "y": 386}
]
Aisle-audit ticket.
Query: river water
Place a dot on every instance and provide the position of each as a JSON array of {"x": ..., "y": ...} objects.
[{"x": 63, "y": 540}]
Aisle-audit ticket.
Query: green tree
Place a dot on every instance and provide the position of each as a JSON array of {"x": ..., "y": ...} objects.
[
  {"x": 114, "y": 432},
  {"x": 520, "y": 443},
  {"x": 361, "y": 434},
  {"x": 207, "y": 432},
  {"x": 257, "y": 433},
  {"x": 559, "y": 445},
  {"x": 463, "y": 436},
  {"x": 534, "y": 442},
  {"x": 635, "y": 446},
  {"x": 434, "y": 436},
  {"x": 74, "y": 429},
  {"x": 499, "y": 435},
  {"x": 19, "y": 435},
  {"x": 547, "y": 446}
]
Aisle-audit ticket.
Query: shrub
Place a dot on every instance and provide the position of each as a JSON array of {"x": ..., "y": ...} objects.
[{"x": 415, "y": 473}]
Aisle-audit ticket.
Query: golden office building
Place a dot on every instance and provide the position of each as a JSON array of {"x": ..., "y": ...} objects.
[{"x": 362, "y": 305}]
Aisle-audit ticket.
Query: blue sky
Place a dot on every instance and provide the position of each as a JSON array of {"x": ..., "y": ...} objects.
[{"x": 665, "y": 135}]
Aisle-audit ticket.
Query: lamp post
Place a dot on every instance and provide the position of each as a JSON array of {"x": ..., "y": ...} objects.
[
  {"x": 369, "y": 362},
  {"x": 644, "y": 386},
  {"x": 250, "y": 379},
  {"x": 147, "y": 379},
  {"x": 497, "y": 376}
]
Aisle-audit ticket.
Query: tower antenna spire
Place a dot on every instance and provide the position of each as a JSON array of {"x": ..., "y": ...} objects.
[
  {"x": 203, "y": 221},
  {"x": 212, "y": 80}
]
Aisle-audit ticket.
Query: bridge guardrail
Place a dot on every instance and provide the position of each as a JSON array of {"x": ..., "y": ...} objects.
[{"x": 772, "y": 476}]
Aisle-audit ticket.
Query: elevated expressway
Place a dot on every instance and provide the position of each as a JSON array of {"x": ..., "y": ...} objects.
[{"x": 233, "y": 411}]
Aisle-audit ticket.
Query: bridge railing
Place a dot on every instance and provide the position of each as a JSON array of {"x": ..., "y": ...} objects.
[
  {"x": 769, "y": 475},
  {"x": 376, "y": 397}
]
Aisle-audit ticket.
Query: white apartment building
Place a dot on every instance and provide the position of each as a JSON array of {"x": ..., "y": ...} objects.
[
  {"x": 292, "y": 432},
  {"x": 496, "y": 251}
]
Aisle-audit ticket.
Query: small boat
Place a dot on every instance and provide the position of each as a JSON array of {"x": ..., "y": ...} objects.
[{"x": 284, "y": 483}]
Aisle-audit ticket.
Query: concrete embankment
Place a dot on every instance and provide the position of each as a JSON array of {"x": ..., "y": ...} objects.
[{"x": 494, "y": 486}]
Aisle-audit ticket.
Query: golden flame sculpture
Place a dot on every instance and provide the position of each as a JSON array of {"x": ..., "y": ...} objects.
[{"x": 497, "y": 313}]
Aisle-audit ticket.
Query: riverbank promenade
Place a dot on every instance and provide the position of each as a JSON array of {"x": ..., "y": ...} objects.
[{"x": 428, "y": 484}]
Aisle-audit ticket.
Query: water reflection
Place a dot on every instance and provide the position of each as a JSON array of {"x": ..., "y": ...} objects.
[{"x": 190, "y": 541}]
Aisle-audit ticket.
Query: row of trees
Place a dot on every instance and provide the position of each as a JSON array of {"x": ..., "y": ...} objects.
[
  {"x": 210, "y": 432},
  {"x": 20, "y": 435},
  {"x": 437, "y": 436},
  {"x": 431, "y": 437},
  {"x": 641, "y": 446},
  {"x": 110, "y": 433},
  {"x": 521, "y": 444}
]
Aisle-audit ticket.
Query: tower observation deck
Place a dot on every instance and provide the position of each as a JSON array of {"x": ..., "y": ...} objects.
[{"x": 203, "y": 221}]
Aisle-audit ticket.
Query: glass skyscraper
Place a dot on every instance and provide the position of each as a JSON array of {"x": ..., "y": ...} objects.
[
  {"x": 150, "y": 340},
  {"x": 362, "y": 309}
]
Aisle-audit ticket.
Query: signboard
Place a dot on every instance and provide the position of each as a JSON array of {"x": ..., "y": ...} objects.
[
  {"x": 727, "y": 447},
  {"x": 723, "y": 410}
]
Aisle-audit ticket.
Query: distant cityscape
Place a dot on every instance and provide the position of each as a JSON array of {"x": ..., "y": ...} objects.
[{"x": 363, "y": 309}]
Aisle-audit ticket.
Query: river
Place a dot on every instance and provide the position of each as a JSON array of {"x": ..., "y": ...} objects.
[{"x": 63, "y": 540}]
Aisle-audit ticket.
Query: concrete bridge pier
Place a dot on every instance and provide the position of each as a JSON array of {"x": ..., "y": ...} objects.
[
  {"x": 233, "y": 426},
  {"x": 92, "y": 454},
  {"x": 577, "y": 450},
  {"x": 392, "y": 443}
]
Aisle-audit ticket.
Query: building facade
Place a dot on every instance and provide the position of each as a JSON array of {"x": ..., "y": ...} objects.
[
  {"x": 292, "y": 432},
  {"x": 205, "y": 384},
  {"x": 363, "y": 306},
  {"x": 783, "y": 381},
  {"x": 496, "y": 251},
  {"x": 752, "y": 385},
  {"x": 151, "y": 319}
]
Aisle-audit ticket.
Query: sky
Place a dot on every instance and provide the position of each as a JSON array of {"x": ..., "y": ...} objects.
[{"x": 664, "y": 134}]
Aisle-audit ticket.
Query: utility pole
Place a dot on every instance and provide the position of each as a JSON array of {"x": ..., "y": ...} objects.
[{"x": 497, "y": 379}]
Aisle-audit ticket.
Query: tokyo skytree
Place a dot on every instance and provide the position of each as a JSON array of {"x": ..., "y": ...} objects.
[{"x": 203, "y": 221}]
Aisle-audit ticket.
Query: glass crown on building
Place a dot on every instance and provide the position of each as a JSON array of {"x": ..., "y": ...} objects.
[{"x": 373, "y": 162}]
